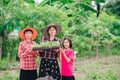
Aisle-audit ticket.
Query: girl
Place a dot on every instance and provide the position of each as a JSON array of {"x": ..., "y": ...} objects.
[
  {"x": 28, "y": 65},
  {"x": 49, "y": 68},
  {"x": 67, "y": 62}
]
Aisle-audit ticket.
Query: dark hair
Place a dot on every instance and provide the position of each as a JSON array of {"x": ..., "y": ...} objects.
[
  {"x": 28, "y": 31},
  {"x": 70, "y": 42},
  {"x": 51, "y": 27}
]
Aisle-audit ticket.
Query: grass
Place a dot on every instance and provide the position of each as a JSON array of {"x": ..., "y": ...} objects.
[
  {"x": 4, "y": 64},
  {"x": 9, "y": 76},
  {"x": 101, "y": 68},
  {"x": 102, "y": 52}
]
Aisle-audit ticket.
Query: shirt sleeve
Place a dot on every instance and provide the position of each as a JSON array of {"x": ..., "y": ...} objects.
[
  {"x": 71, "y": 55},
  {"x": 21, "y": 52}
]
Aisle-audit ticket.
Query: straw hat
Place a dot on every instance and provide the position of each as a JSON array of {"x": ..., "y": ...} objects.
[
  {"x": 22, "y": 34},
  {"x": 58, "y": 29}
]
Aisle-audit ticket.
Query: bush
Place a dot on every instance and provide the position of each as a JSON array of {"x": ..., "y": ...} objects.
[
  {"x": 80, "y": 24},
  {"x": 10, "y": 48},
  {"x": 109, "y": 75},
  {"x": 4, "y": 64},
  {"x": 8, "y": 76}
]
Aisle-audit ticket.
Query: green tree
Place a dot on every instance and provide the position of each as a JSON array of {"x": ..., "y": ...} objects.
[{"x": 113, "y": 7}]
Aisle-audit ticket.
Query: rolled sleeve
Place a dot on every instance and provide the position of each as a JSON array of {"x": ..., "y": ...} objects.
[{"x": 21, "y": 52}]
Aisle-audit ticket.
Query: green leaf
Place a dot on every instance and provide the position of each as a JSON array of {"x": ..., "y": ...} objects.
[
  {"x": 86, "y": 6},
  {"x": 117, "y": 39},
  {"x": 100, "y": 1},
  {"x": 63, "y": 2}
]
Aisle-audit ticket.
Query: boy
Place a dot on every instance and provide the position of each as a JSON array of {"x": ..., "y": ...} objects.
[{"x": 28, "y": 65}]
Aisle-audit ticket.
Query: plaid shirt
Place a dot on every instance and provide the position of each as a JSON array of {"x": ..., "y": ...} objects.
[
  {"x": 49, "y": 53},
  {"x": 27, "y": 61}
]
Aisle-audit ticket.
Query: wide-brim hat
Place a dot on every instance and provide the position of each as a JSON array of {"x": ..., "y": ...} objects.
[
  {"x": 58, "y": 29},
  {"x": 22, "y": 33}
]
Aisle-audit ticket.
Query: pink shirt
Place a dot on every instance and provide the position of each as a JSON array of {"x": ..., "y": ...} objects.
[{"x": 67, "y": 67}]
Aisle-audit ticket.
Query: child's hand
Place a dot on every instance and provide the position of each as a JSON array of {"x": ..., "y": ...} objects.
[
  {"x": 32, "y": 52},
  {"x": 29, "y": 50},
  {"x": 61, "y": 50},
  {"x": 40, "y": 50}
]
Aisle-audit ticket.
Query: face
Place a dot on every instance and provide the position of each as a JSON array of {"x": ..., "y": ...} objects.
[
  {"x": 28, "y": 35},
  {"x": 52, "y": 31},
  {"x": 66, "y": 44}
]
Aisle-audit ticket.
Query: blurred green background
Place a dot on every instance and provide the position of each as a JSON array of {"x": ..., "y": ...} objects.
[{"x": 93, "y": 25}]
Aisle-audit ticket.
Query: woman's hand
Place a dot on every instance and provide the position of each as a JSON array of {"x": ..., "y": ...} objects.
[{"x": 56, "y": 50}]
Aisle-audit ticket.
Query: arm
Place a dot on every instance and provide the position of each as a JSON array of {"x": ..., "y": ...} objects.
[
  {"x": 34, "y": 53},
  {"x": 67, "y": 59},
  {"x": 56, "y": 50},
  {"x": 59, "y": 58},
  {"x": 21, "y": 53},
  {"x": 63, "y": 53}
]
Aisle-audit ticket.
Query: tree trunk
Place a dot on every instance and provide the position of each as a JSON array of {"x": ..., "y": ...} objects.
[
  {"x": 0, "y": 47},
  {"x": 98, "y": 9}
]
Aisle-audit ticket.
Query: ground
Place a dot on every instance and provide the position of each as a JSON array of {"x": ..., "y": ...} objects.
[{"x": 101, "y": 68}]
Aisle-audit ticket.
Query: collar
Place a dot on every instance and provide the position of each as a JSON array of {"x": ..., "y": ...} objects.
[
  {"x": 28, "y": 41},
  {"x": 48, "y": 38}
]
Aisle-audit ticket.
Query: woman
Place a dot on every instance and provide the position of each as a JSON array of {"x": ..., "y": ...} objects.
[{"x": 49, "y": 68}]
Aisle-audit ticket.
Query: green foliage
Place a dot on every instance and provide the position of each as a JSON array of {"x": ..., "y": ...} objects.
[
  {"x": 113, "y": 7},
  {"x": 86, "y": 6},
  {"x": 20, "y": 15},
  {"x": 47, "y": 45},
  {"x": 51, "y": 2},
  {"x": 78, "y": 21},
  {"x": 100, "y": 1},
  {"x": 76, "y": 18},
  {"x": 8, "y": 76},
  {"x": 10, "y": 48},
  {"x": 4, "y": 64},
  {"x": 30, "y": 1},
  {"x": 110, "y": 75}
]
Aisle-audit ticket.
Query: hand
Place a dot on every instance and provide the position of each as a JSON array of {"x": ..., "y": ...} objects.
[
  {"x": 40, "y": 50},
  {"x": 56, "y": 50},
  {"x": 61, "y": 50},
  {"x": 29, "y": 50}
]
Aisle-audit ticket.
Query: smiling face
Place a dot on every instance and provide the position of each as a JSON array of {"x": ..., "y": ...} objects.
[
  {"x": 28, "y": 34},
  {"x": 52, "y": 31},
  {"x": 66, "y": 44}
]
